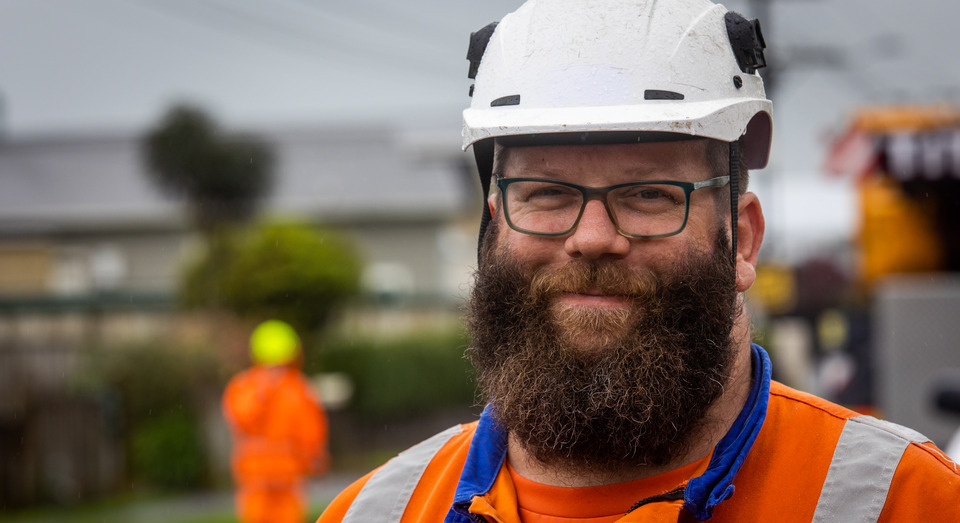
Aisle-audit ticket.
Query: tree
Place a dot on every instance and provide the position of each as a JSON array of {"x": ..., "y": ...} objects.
[
  {"x": 288, "y": 271},
  {"x": 222, "y": 177}
]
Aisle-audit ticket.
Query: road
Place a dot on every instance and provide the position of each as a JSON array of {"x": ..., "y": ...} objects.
[{"x": 183, "y": 508}]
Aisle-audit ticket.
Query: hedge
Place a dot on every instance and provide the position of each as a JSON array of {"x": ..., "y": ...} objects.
[{"x": 402, "y": 377}]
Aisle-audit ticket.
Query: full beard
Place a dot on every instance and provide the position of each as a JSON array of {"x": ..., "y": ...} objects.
[{"x": 601, "y": 390}]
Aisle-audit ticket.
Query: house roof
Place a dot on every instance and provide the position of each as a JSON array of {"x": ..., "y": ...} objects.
[{"x": 80, "y": 182}]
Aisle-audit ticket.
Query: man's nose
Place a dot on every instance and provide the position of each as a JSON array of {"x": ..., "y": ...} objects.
[{"x": 596, "y": 236}]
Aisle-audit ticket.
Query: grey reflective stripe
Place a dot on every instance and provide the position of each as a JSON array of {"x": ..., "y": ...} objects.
[
  {"x": 385, "y": 496},
  {"x": 862, "y": 469}
]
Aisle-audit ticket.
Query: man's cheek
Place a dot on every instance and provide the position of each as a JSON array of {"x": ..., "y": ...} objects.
[{"x": 531, "y": 253}]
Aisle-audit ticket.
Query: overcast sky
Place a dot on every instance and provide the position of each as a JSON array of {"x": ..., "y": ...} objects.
[
  {"x": 87, "y": 64},
  {"x": 104, "y": 65}
]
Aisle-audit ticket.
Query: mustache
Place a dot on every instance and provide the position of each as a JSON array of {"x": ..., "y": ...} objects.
[{"x": 582, "y": 277}]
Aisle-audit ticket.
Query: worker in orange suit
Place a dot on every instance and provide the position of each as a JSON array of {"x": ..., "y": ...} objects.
[{"x": 279, "y": 428}]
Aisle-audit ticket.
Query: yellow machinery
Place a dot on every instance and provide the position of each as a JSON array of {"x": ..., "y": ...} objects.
[{"x": 907, "y": 159}]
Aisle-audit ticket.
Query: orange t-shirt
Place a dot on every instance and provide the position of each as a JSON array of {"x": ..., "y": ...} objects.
[{"x": 539, "y": 503}]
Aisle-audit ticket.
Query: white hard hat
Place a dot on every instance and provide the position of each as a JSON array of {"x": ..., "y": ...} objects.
[{"x": 619, "y": 68}]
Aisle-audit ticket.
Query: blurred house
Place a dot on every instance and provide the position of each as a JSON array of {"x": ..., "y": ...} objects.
[
  {"x": 90, "y": 252},
  {"x": 79, "y": 216}
]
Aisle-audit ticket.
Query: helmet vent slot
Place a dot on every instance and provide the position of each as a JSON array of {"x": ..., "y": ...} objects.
[
  {"x": 654, "y": 94},
  {"x": 513, "y": 99}
]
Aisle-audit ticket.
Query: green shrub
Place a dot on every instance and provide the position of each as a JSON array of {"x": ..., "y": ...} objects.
[
  {"x": 159, "y": 388},
  {"x": 167, "y": 451},
  {"x": 201, "y": 278},
  {"x": 288, "y": 271},
  {"x": 402, "y": 377},
  {"x": 153, "y": 378}
]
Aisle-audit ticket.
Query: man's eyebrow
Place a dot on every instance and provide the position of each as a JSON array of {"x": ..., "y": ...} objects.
[
  {"x": 646, "y": 171},
  {"x": 542, "y": 172}
]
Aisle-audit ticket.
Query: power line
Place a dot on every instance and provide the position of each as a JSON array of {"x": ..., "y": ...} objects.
[
  {"x": 422, "y": 23},
  {"x": 227, "y": 27},
  {"x": 330, "y": 34},
  {"x": 257, "y": 27},
  {"x": 376, "y": 48}
]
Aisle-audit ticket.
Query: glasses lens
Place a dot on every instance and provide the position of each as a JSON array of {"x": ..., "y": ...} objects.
[
  {"x": 542, "y": 207},
  {"x": 649, "y": 209}
]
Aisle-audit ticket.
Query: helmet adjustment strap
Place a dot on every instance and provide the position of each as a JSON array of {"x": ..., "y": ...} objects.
[
  {"x": 734, "y": 196},
  {"x": 483, "y": 152}
]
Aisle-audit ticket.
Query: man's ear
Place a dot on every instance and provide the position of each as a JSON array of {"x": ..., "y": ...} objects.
[
  {"x": 750, "y": 227},
  {"x": 492, "y": 202}
]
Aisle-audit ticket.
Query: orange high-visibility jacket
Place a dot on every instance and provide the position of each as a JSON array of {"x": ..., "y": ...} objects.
[
  {"x": 279, "y": 427},
  {"x": 789, "y": 457}
]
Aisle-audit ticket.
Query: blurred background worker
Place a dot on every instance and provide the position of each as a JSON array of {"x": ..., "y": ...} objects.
[{"x": 279, "y": 428}]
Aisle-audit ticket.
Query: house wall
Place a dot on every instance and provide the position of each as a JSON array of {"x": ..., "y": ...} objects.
[
  {"x": 85, "y": 263},
  {"x": 425, "y": 261},
  {"x": 429, "y": 260}
]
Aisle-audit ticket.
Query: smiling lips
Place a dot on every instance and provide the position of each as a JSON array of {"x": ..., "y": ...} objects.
[{"x": 594, "y": 298}]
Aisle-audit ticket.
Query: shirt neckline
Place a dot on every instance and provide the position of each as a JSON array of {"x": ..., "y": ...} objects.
[{"x": 605, "y": 500}]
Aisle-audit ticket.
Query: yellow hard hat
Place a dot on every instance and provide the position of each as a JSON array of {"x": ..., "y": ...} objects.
[{"x": 274, "y": 342}]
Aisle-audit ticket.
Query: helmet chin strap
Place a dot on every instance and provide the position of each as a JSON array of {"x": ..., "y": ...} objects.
[
  {"x": 484, "y": 222},
  {"x": 734, "y": 196},
  {"x": 483, "y": 152}
]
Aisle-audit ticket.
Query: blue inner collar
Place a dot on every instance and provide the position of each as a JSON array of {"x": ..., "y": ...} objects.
[
  {"x": 715, "y": 485},
  {"x": 488, "y": 449}
]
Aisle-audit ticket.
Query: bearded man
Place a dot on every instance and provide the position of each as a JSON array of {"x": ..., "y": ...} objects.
[{"x": 608, "y": 329}]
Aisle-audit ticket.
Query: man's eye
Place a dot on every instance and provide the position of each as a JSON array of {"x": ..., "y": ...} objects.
[
  {"x": 539, "y": 193},
  {"x": 551, "y": 191},
  {"x": 647, "y": 193},
  {"x": 651, "y": 194},
  {"x": 649, "y": 198}
]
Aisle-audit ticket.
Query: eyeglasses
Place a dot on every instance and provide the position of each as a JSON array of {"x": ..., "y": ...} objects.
[{"x": 648, "y": 209}]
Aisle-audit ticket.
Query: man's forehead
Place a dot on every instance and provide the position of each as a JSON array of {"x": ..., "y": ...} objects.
[{"x": 637, "y": 158}]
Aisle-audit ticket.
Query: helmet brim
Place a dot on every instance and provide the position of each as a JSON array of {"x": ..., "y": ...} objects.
[{"x": 725, "y": 120}]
